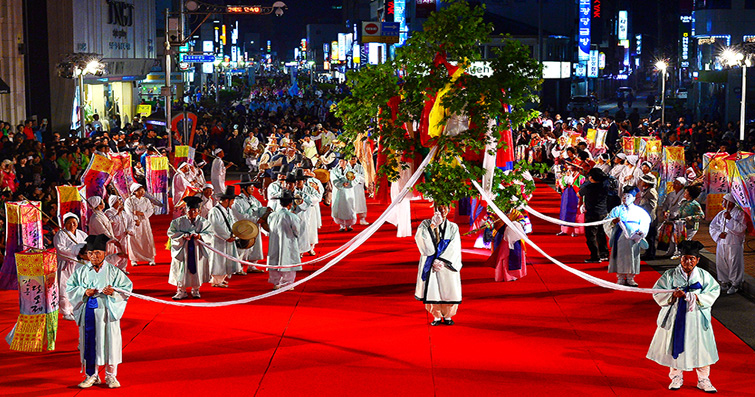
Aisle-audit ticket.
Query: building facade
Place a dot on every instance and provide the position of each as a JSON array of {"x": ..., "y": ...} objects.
[{"x": 12, "y": 102}]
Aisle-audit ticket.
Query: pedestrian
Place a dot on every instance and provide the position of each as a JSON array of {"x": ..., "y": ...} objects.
[{"x": 595, "y": 202}]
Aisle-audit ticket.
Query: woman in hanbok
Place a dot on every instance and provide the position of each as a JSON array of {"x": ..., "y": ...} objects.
[
  {"x": 687, "y": 219},
  {"x": 342, "y": 209},
  {"x": 569, "y": 184},
  {"x": 683, "y": 339},
  {"x": 626, "y": 236},
  {"x": 123, "y": 226},
  {"x": 141, "y": 247},
  {"x": 99, "y": 223},
  {"x": 509, "y": 254}
]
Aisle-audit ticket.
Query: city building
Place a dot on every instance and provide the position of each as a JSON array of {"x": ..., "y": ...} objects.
[{"x": 12, "y": 48}]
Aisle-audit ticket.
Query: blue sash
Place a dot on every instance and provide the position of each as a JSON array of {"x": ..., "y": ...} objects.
[
  {"x": 515, "y": 256},
  {"x": 191, "y": 258},
  {"x": 677, "y": 336},
  {"x": 90, "y": 341},
  {"x": 440, "y": 248}
]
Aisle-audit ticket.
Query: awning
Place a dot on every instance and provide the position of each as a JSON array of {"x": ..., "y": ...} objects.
[
  {"x": 4, "y": 87},
  {"x": 123, "y": 70}
]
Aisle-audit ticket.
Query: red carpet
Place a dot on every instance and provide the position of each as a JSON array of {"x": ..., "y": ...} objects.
[{"x": 357, "y": 330}]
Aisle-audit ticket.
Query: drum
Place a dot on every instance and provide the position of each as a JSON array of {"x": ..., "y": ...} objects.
[
  {"x": 322, "y": 175},
  {"x": 246, "y": 233}
]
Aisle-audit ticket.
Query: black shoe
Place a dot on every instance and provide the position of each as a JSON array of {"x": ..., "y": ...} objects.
[
  {"x": 591, "y": 260},
  {"x": 348, "y": 229},
  {"x": 436, "y": 322},
  {"x": 603, "y": 258},
  {"x": 448, "y": 322}
]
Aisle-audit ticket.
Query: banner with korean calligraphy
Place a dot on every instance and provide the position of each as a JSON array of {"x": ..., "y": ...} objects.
[
  {"x": 746, "y": 168},
  {"x": 23, "y": 230},
  {"x": 653, "y": 152},
  {"x": 739, "y": 189},
  {"x": 600, "y": 138},
  {"x": 70, "y": 200},
  {"x": 183, "y": 154},
  {"x": 97, "y": 176},
  {"x": 122, "y": 173},
  {"x": 157, "y": 181},
  {"x": 672, "y": 167},
  {"x": 37, "y": 324}
]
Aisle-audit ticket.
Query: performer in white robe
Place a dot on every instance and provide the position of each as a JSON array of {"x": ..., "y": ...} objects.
[
  {"x": 626, "y": 236},
  {"x": 402, "y": 215},
  {"x": 141, "y": 247},
  {"x": 438, "y": 279},
  {"x": 247, "y": 207},
  {"x": 208, "y": 201},
  {"x": 221, "y": 220},
  {"x": 360, "y": 201},
  {"x": 180, "y": 184},
  {"x": 67, "y": 242},
  {"x": 285, "y": 228},
  {"x": 728, "y": 229},
  {"x": 314, "y": 189},
  {"x": 189, "y": 267},
  {"x": 99, "y": 223},
  {"x": 342, "y": 209},
  {"x": 217, "y": 174},
  {"x": 98, "y": 309},
  {"x": 123, "y": 226},
  {"x": 275, "y": 190},
  {"x": 669, "y": 209},
  {"x": 684, "y": 338},
  {"x": 302, "y": 203}
]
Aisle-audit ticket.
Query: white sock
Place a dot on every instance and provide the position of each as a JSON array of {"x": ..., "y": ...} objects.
[
  {"x": 448, "y": 318},
  {"x": 436, "y": 319}
]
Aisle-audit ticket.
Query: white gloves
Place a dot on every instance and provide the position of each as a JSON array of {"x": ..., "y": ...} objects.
[
  {"x": 436, "y": 220},
  {"x": 637, "y": 236},
  {"x": 437, "y": 265}
]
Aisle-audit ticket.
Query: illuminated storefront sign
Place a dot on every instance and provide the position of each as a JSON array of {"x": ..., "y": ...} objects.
[{"x": 584, "y": 30}]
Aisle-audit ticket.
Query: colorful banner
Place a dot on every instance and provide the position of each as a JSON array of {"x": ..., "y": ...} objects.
[
  {"x": 737, "y": 187},
  {"x": 97, "y": 176},
  {"x": 628, "y": 144},
  {"x": 183, "y": 154},
  {"x": 122, "y": 173},
  {"x": 157, "y": 181},
  {"x": 672, "y": 167},
  {"x": 591, "y": 134},
  {"x": 600, "y": 138},
  {"x": 23, "y": 230},
  {"x": 70, "y": 200},
  {"x": 37, "y": 323},
  {"x": 652, "y": 152},
  {"x": 746, "y": 169}
]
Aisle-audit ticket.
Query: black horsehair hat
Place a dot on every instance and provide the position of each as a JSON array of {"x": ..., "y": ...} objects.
[
  {"x": 690, "y": 247},
  {"x": 97, "y": 242},
  {"x": 192, "y": 201},
  {"x": 230, "y": 193}
]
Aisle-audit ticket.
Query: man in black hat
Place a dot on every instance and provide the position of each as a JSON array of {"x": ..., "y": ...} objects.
[
  {"x": 684, "y": 340},
  {"x": 189, "y": 266},
  {"x": 247, "y": 207},
  {"x": 222, "y": 220},
  {"x": 594, "y": 201},
  {"x": 98, "y": 309}
]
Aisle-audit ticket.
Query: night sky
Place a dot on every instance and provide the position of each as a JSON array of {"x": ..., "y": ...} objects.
[{"x": 286, "y": 31}]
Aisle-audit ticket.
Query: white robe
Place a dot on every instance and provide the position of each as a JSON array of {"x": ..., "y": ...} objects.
[
  {"x": 300, "y": 210},
  {"x": 625, "y": 253},
  {"x": 402, "y": 215},
  {"x": 285, "y": 228},
  {"x": 207, "y": 205},
  {"x": 342, "y": 208},
  {"x": 180, "y": 183},
  {"x": 249, "y": 208},
  {"x": 444, "y": 286},
  {"x": 217, "y": 176},
  {"x": 222, "y": 220},
  {"x": 109, "y": 312},
  {"x": 141, "y": 246},
  {"x": 314, "y": 190},
  {"x": 360, "y": 201},
  {"x": 274, "y": 192},
  {"x": 100, "y": 223},
  {"x": 699, "y": 343},
  {"x": 729, "y": 250},
  {"x": 179, "y": 273},
  {"x": 64, "y": 242}
]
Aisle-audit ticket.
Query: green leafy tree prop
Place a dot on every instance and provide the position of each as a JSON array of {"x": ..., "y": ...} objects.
[{"x": 454, "y": 33}]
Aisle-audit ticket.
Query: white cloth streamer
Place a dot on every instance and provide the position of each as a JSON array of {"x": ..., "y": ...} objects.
[
  {"x": 358, "y": 240},
  {"x": 563, "y": 223},
  {"x": 592, "y": 279}
]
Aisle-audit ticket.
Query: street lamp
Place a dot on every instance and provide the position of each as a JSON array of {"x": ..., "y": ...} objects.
[
  {"x": 76, "y": 66},
  {"x": 662, "y": 66},
  {"x": 732, "y": 57}
]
